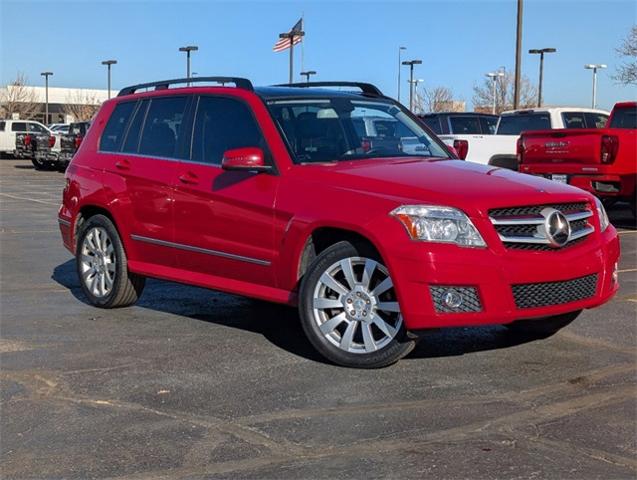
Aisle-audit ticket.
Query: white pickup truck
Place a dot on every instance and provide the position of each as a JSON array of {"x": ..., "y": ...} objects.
[
  {"x": 500, "y": 149},
  {"x": 9, "y": 129}
]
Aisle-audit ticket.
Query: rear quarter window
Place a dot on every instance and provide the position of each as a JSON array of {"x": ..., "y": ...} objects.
[
  {"x": 2, "y": 126},
  {"x": 433, "y": 123},
  {"x": 465, "y": 125},
  {"x": 573, "y": 120},
  {"x": 595, "y": 120},
  {"x": 162, "y": 133},
  {"x": 113, "y": 134},
  {"x": 18, "y": 127}
]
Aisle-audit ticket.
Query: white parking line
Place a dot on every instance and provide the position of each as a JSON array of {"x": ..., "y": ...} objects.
[{"x": 15, "y": 197}]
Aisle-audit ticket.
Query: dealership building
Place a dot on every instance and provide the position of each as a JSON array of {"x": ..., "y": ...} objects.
[{"x": 65, "y": 104}]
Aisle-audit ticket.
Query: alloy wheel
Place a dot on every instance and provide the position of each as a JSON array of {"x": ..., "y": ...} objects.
[{"x": 98, "y": 262}]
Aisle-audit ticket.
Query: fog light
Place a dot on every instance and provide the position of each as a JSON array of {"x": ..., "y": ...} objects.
[
  {"x": 455, "y": 299},
  {"x": 452, "y": 299}
]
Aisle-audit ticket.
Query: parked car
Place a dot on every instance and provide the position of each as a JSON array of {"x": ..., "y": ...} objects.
[
  {"x": 59, "y": 128},
  {"x": 70, "y": 142},
  {"x": 461, "y": 123},
  {"x": 500, "y": 149},
  {"x": 601, "y": 161},
  {"x": 37, "y": 147},
  {"x": 238, "y": 189},
  {"x": 10, "y": 128}
]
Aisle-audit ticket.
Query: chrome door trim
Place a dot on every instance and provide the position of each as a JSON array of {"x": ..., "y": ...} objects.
[{"x": 206, "y": 251}]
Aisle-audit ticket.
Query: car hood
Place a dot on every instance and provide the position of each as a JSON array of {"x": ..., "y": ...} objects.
[{"x": 457, "y": 183}]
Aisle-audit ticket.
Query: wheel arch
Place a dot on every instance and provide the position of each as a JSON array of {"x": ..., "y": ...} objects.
[{"x": 87, "y": 211}]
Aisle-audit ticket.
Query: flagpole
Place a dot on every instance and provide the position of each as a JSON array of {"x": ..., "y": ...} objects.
[{"x": 291, "y": 79}]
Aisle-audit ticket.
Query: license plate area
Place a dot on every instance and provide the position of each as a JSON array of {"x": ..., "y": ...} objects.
[{"x": 560, "y": 178}]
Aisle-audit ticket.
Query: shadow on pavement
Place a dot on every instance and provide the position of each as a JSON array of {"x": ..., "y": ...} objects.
[{"x": 279, "y": 324}]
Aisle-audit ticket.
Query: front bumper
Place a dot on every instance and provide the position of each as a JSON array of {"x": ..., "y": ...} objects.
[{"x": 493, "y": 273}]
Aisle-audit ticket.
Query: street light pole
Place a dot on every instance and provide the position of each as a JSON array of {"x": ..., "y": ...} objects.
[
  {"x": 541, "y": 52},
  {"x": 400, "y": 49},
  {"x": 108, "y": 64},
  {"x": 46, "y": 96},
  {"x": 518, "y": 57},
  {"x": 307, "y": 75},
  {"x": 594, "y": 68},
  {"x": 188, "y": 49},
  {"x": 414, "y": 84},
  {"x": 411, "y": 64},
  {"x": 494, "y": 76}
]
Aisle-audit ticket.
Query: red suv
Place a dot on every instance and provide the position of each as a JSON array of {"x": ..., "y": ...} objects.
[{"x": 281, "y": 193}]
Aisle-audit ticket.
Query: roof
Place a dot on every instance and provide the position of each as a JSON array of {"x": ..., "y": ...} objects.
[
  {"x": 555, "y": 109},
  {"x": 279, "y": 92}
]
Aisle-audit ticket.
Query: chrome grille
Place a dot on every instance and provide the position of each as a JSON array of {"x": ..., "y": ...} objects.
[
  {"x": 524, "y": 228},
  {"x": 533, "y": 295}
]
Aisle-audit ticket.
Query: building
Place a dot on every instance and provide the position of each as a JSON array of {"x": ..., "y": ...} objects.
[{"x": 65, "y": 104}]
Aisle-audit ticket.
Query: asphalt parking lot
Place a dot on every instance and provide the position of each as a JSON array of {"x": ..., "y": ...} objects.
[{"x": 192, "y": 383}]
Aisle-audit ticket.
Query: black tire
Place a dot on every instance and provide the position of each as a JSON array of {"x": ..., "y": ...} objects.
[
  {"x": 396, "y": 348},
  {"x": 505, "y": 161},
  {"x": 543, "y": 327},
  {"x": 40, "y": 164},
  {"x": 127, "y": 287}
]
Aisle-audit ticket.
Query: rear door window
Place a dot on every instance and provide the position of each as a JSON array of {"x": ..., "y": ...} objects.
[
  {"x": 433, "y": 123},
  {"x": 223, "y": 124},
  {"x": 488, "y": 125},
  {"x": 517, "y": 123},
  {"x": 131, "y": 144},
  {"x": 113, "y": 134},
  {"x": 573, "y": 120},
  {"x": 465, "y": 125},
  {"x": 162, "y": 132},
  {"x": 18, "y": 127},
  {"x": 595, "y": 120}
]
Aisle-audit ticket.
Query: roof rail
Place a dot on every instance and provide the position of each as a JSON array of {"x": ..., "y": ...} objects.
[
  {"x": 239, "y": 82},
  {"x": 366, "y": 88}
]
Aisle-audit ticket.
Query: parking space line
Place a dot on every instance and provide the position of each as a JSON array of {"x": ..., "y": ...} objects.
[
  {"x": 627, "y": 270},
  {"x": 28, "y": 199},
  {"x": 626, "y": 232}
]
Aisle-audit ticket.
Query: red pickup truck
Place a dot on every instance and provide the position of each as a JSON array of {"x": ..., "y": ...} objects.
[{"x": 601, "y": 161}]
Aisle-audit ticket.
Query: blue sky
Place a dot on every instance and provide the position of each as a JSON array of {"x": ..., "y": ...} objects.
[{"x": 458, "y": 41}]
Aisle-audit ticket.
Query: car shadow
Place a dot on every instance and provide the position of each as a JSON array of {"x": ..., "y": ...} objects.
[
  {"x": 24, "y": 167},
  {"x": 280, "y": 324},
  {"x": 622, "y": 217}
]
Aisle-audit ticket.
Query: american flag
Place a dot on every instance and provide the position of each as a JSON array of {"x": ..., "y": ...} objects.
[{"x": 284, "y": 43}]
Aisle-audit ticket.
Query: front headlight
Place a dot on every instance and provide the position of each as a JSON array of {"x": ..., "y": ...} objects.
[
  {"x": 432, "y": 223},
  {"x": 604, "y": 222}
]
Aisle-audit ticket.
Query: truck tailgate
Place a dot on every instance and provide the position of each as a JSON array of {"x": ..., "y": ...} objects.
[{"x": 582, "y": 146}]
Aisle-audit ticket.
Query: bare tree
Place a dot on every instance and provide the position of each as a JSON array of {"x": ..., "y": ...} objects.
[
  {"x": 18, "y": 99},
  {"x": 437, "y": 99},
  {"x": 626, "y": 73},
  {"x": 483, "y": 94},
  {"x": 81, "y": 106}
]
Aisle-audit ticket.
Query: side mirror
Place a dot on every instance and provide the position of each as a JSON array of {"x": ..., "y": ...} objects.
[
  {"x": 462, "y": 148},
  {"x": 248, "y": 158}
]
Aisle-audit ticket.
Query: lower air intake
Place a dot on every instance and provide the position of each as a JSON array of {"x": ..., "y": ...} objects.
[{"x": 533, "y": 295}]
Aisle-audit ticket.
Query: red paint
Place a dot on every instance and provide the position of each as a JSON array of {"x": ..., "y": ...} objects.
[
  {"x": 590, "y": 157},
  {"x": 270, "y": 216}
]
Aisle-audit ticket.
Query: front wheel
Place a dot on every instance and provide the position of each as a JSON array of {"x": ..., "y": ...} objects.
[
  {"x": 349, "y": 309},
  {"x": 102, "y": 266},
  {"x": 543, "y": 327}
]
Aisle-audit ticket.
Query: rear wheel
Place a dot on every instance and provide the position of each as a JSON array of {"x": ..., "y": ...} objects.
[
  {"x": 39, "y": 164},
  {"x": 349, "y": 310},
  {"x": 543, "y": 327},
  {"x": 102, "y": 266}
]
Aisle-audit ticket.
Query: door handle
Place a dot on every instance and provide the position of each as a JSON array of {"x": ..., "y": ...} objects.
[
  {"x": 122, "y": 164},
  {"x": 189, "y": 178}
]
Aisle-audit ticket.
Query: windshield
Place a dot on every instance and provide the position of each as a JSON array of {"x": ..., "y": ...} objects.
[
  {"x": 517, "y": 123},
  {"x": 341, "y": 129}
]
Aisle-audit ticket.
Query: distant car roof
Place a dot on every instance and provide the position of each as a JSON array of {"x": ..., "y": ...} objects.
[
  {"x": 625, "y": 105},
  {"x": 554, "y": 109},
  {"x": 472, "y": 114}
]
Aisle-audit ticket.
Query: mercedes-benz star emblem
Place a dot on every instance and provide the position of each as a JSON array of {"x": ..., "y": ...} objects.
[{"x": 557, "y": 227}]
